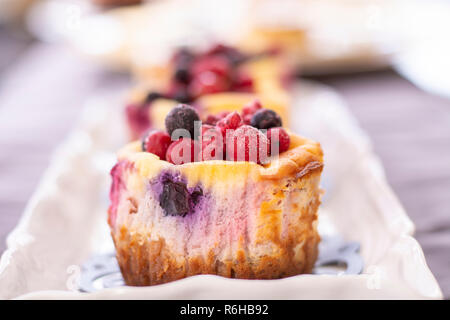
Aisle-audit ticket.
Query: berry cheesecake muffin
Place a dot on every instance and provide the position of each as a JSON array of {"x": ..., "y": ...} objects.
[
  {"x": 239, "y": 199},
  {"x": 219, "y": 80}
]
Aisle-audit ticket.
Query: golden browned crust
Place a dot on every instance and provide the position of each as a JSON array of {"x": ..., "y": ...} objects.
[{"x": 152, "y": 262}]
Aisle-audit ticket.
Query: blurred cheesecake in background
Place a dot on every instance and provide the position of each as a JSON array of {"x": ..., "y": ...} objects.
[
  {"x": 317, "y": 35},
  {"x": 218, "y": 80}
]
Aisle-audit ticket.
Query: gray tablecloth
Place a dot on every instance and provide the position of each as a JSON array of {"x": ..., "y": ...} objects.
[{"x": 42, "y": 92}]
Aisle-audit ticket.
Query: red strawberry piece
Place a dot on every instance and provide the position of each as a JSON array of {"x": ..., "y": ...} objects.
[
  {"x": 247, "y": 144},
  {"x": 230, "y": 121},
  {"x": 184, "y": 150},
  {"x": 279, "y": 140},
  {"x": 156, "y": 142},
  {"x": 138, "y": 118}
]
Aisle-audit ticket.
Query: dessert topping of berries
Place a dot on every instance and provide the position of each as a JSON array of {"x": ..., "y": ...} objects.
[
  {"x": 225, "y": 136},
  {"x": 156, "y": 142},
  {"x": 279, "y": 140},
  {"x": 182, "y": 151},
  {"x": 247, "y": 144},
  {"x": 181, "y": 117},
  {"x": 265, "y": 119}
]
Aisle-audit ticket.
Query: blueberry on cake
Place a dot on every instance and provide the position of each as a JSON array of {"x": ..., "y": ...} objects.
[{"x": 236, "y": 197}]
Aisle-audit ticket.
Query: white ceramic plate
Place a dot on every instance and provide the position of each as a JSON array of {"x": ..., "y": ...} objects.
[{"x": 65, "y": 221}]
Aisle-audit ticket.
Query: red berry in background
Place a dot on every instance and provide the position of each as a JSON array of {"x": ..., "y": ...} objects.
[
  {"x": 208, "y": 82},
  {"x": 279, "y": 140},
  {"x": 156, "y": 142},
  {"x": 249, "y": 109},
  {"x": 138, "y": 118},
  {"x": 216, "y": 64},
  {"x": 184, "y": 150},
  {"x": 212, "y": 143},
  {"x": 243, "y": 83},
  {"x": 247, "y": 144}
]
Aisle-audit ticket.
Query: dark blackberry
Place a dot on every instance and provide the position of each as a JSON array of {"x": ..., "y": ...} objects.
[
  {"x": 182, "y": 117},
  {"x": 265, "y": 119}
]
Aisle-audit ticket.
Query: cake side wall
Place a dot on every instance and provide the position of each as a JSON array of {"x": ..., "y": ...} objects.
[{"x": 263, "y": 230}]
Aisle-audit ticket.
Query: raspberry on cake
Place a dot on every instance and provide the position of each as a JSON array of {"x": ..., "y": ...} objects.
[
  {"x": 237, "y": 218},
  {"x": 217, "y": 80}
]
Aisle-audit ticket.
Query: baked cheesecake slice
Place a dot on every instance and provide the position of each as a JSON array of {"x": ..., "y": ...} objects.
[{"x": 246, "y": 218}]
